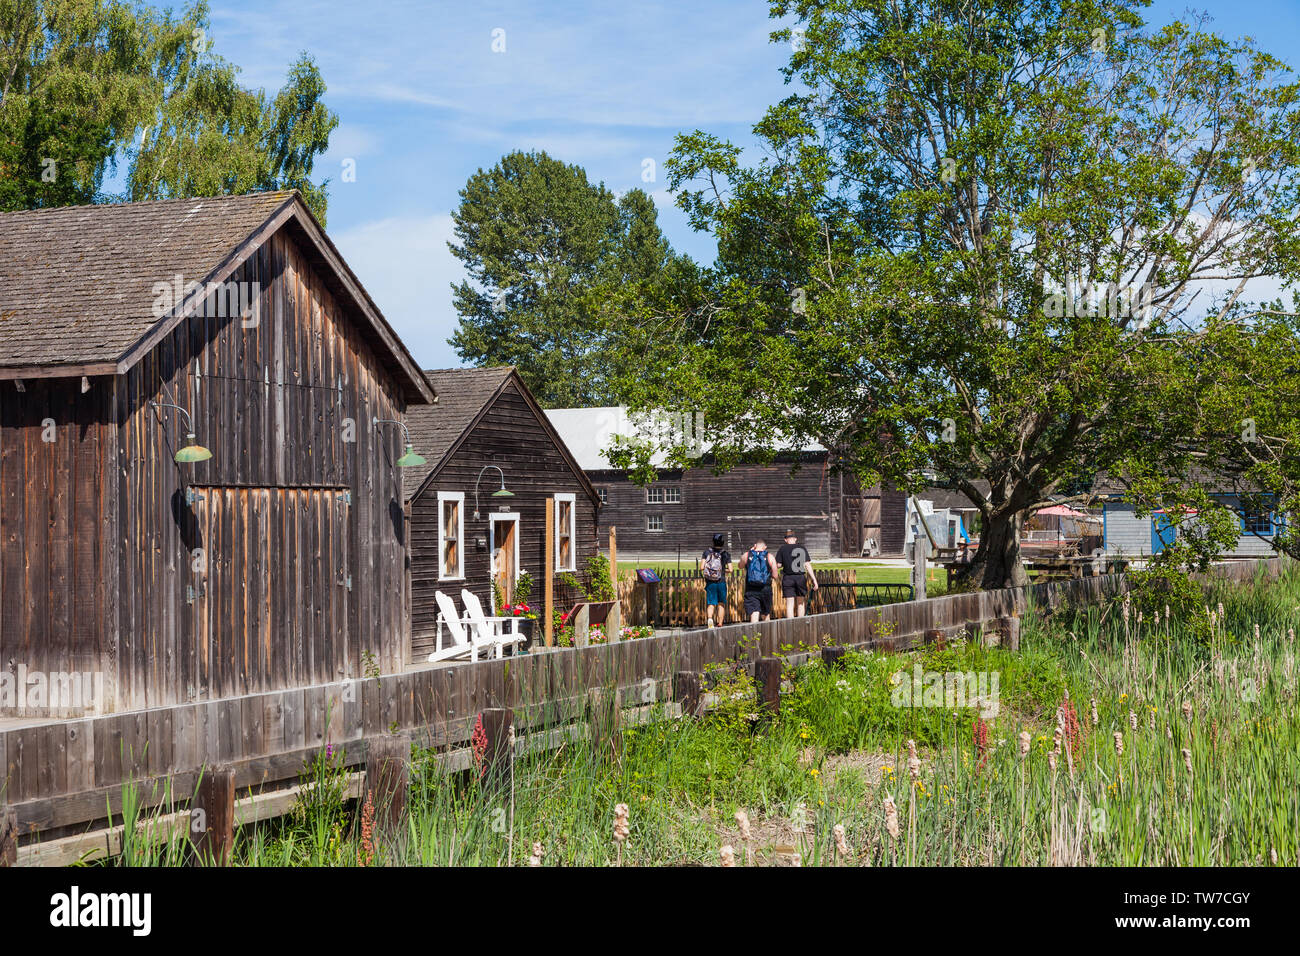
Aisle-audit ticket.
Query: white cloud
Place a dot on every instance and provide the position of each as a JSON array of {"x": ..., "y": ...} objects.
[{"x": 404, "y": 263}]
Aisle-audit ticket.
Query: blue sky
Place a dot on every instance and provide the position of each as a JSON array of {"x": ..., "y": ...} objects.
[{"x": 424, "y": 102}]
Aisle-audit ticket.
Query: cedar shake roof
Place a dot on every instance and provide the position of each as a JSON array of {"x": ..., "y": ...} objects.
[
  {"x": 77, "y": 282},
  {"x": 464, "y": 394}
]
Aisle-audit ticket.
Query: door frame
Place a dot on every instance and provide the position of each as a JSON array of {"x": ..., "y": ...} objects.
[
  {"x": 1160, "y": 523},
  {"x": 493, "y": 518}
]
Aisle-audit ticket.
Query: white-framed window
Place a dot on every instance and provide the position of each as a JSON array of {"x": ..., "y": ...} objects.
[
  {"x": 451, "y": 536},
  {"x": 565, "y": 558},
  {"x": 673, "y": 495},
  {"x": 654, "y": 522},
  {"x": 654, "y": 496},
  {"x": 604, "y": 495},
  {"x": 667, "y": 495}
]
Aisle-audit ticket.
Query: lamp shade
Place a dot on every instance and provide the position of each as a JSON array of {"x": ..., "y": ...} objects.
[
  {"x": 192, "y": 452},
  {"x": 503, "y": 493},
  {"x": 410, "y": 459}
]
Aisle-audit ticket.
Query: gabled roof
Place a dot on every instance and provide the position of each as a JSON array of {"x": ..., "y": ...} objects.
[
  {"x": 77, "y": 292},
  {"x": 464, "y": 395}
]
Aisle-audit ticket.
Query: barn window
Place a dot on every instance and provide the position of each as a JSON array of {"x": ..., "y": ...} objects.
[
  {"x": 654, "y": 522},
  {"x": 451, "y": 535},
  {"x": 604, "y": 495},
  {"x": 565, "y": 559},
  {"x": 672, "y": 495},
  {"x": 654, "y": 496}
]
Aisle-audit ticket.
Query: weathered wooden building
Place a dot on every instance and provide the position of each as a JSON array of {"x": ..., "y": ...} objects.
[
  {"x": 682, "y": 510},
  {"x": 277, "y": 561},
  {"x": 464, "y": 537}
]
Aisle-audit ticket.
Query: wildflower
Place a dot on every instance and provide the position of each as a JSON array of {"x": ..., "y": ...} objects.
[
  {"x": 366, "y": 852},
  {"x": 1119, "y": 743},
  {"x": 728, "y": 855},
  {"x": 536, "y": 858},
  {"x": 891, "y": 817},
  {"x": 621, "y": 828},
  {"x": 981, "y": 734},
  {"x": 841, "y": 844},
  {"x": 1024, "y": 742},
  {"x": 478, "y": 744},
  {"x": 814, "y": 773}
]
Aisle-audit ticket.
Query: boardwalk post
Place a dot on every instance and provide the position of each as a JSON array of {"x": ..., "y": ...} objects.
[
  {"x": 604, "y": 711},
  {"x": 548, "y": 583},
  {"x": 388, "y": 760},
  {"x": 212, "y": 817},
  {"x": 767, "y": 674},
  {"x": 582, "y": 626},
  {"x": 687, "y": 691},
  {"x": 8, "y": 837},
  {"x": 498, "y": 744},
  {"x": 833, "y": 656}
]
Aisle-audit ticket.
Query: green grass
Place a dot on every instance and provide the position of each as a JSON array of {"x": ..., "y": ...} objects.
[{"x": 838, "y": 755}]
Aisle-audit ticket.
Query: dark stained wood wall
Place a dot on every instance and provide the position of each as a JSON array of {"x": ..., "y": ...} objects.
[
  {"x": 58, "y": 501},
  {"x": 743, "y": 503},
  {"x": 284, "y": 402},
  {"x": 509, "y": 435}
]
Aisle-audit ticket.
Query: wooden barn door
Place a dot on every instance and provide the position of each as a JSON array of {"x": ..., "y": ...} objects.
[{"x": 272, "y": 603}]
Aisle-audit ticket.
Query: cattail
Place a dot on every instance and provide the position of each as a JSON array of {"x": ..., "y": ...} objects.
[
  {"x": 1256, "y": 633},
  {"x": 891, "y": 817},
  {"x": 1132, "y": 721},
  {"x": 742, "y": 821},
  {"x": 1126, "y": 609},
  {"x": 536, "y": 858},
  {"x": 841, "y": 844},
  {"x": 728, "y": 855},
  {"x": 1187, "y": 760},
  {"x": 1067, "y": 693},
  {"x": 913, "y": 762},
  {"x": 1056, "y": 740},
  {"x": 1290, "y": 634},
  {"x": 1220, "y": 613},
  {"x": 1151, "y": 718},
  {"x": 1093, "y": 702},
  {"x": 1051, "y": 761},
  {"x": 1272, "y": 856},
  {"x": 1119, "y": 744},
  {"x": 1024, "y": 742},
  {"x": 1140, "y": 616},
  {"x": 1187, "y": 710},
  {"x": 621, "y": 829},
  {"x": 1166, "y": 613},
  {"x": 1169, "y": 732}
]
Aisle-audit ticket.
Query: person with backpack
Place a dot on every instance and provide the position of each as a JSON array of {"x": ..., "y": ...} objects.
[
  {"x": 714, "y": 564},
  {"x": 796, "y": 575},
  {"x": 760, "y": 568}
]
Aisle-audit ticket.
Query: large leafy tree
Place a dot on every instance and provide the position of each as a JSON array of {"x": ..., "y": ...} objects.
[
  {"x": 88, "y": 84},
  {"x": 536, "y": 238},
  {"x": 976, "y": 249}
]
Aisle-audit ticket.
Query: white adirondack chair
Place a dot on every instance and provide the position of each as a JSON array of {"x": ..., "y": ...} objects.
[
  {"x": 465, "y": 641},
  {"x": 491, "y": 630}
]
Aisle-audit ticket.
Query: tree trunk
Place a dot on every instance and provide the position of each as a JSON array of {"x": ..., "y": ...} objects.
[{"x": 997, "y": 563}]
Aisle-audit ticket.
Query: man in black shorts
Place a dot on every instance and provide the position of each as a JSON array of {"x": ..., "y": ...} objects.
[
  {"x": 760, "y": 568},
  {"x": 796, "y": 575}
]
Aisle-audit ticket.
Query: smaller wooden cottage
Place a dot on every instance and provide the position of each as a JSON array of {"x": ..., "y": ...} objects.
[{"x": 486, "y": 433}]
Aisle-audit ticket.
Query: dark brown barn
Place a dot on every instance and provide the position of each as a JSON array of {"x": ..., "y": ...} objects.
[
  {"x": 681, "y": 511},
  {"x": 460, "y": 539},
  {"x": 276, "y": 562}
]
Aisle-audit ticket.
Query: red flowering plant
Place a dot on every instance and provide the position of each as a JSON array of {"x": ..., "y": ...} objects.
[{"x": 519, "y": 610}]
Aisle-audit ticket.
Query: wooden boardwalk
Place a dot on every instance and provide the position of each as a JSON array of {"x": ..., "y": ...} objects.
[{"x": 61, "y": 776}]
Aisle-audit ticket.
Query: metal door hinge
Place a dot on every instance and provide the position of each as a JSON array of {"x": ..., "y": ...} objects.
[
  {"x": 346, "y": 581},
  {"x": 189, "y": 594},
  {"x": 192, "y": 496}
]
